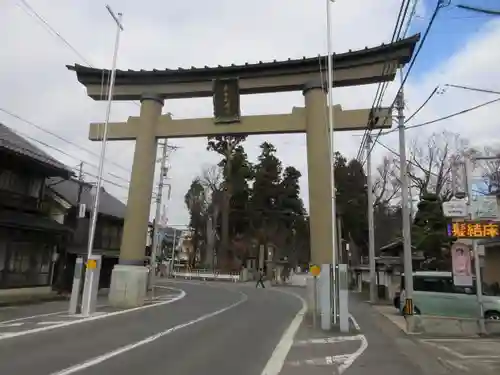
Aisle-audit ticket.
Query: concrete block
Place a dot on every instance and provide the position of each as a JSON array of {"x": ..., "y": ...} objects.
[
  {"x": 128, "y": 286},
  {"x": 492, "y": 327},
  {"x": 445, "y": 326}
]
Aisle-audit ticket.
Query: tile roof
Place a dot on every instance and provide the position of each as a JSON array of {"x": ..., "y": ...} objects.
[
  {"x": 13, "y": 218},
  {"x": 14, "y": 143},
  {"x": 402, "y": 49},
  {"x": 68, "y": 189}
]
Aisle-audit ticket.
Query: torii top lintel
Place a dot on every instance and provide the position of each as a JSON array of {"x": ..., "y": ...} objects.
[{"x": 366, "y": 66}]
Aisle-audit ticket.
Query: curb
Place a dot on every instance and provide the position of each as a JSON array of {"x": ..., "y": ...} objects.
[{"x": 31, "y": 301}]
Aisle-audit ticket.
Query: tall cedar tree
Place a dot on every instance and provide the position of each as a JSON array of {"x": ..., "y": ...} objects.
[{"x": 225, "y": 146}]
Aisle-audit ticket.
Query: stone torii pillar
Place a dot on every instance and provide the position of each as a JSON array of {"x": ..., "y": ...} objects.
[
  {"x": 129, "y": 276},
  {"x": 320, "y": 197},
  {"x": 318, "y": 166}
]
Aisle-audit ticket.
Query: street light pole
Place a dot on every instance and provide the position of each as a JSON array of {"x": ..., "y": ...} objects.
[
  {"x": 95, "y": 210},
  {"x": 371, "y": 232},
  {"x": 332, "y": 154}
]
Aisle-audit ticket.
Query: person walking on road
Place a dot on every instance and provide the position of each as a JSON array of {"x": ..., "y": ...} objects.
[{"x": 261, "y": 279}]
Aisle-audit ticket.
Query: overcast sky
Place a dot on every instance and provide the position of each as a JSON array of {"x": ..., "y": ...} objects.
[{"x": 34, "y": 83}]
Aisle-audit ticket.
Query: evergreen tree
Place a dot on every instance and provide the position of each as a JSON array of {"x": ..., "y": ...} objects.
[
  {"x": 226, "y": 146},
  {"x": 196, "y": 204},
  {"x": 352, "y": 200},
  {"x": 429, "y": 230}
]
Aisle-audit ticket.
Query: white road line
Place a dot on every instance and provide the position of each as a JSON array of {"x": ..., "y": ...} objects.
[
  {"x": 328, "y": 340},
  {"x": 52, "y": 322},
  {"x": 10, "y": 325},
  {"x": 322, "y": 361},
  {"x": 66, "y": 312},
  {"x": 354, "y": 322},
  {"x": 41, "y": 315},
  {"x": 277, "y": 360},
  {"x": 31, "y": 317},
  {"x": 348, "y": 362},
  {"x": 454, "y": 352},
  {"x": 126, "y": 348},
  {"x": 181, "y": 295}
]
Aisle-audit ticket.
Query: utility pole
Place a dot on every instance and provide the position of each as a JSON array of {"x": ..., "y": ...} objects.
[
  {"x": 80, "y": 190},
  {"x": 408, "y": 267},
  {"x": 371, "y": 232},
  {"x": 156, "y": 234},
  {"x": 410, "y": 194}
]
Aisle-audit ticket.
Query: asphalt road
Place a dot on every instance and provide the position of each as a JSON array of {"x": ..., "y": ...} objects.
[{"x": 223, "y": 329}]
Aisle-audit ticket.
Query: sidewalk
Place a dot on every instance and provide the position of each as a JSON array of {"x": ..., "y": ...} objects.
[
  {"x": 470, "y": 355},
  {"x": 7, "y": 301},
  {"x": 377, "y": 348},
  {"x": 30, "y": 319}
]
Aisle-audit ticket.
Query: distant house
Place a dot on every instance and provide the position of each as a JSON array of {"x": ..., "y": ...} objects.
[
  {"x": 63, "y": 197},
  {"x": 29, "y": 238}
]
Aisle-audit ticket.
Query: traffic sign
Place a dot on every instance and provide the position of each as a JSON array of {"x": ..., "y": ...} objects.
[
  {"x": 315, "y": 270},
  {"x": 91, "y": 264}
]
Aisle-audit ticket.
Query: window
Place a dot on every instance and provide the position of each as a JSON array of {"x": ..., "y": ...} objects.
[
  {"x": 432, "y": 284},
  {"x": 26, "y": 264},
  {"x": 20, "y": 184}
]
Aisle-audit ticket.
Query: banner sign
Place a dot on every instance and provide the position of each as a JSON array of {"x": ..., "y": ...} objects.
[
  {"x": 461, "y": 263},
  {"x": 474, "y": 229}
]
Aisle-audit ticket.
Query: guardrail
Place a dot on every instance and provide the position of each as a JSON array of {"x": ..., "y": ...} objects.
[{"x": 206, "y": 275}]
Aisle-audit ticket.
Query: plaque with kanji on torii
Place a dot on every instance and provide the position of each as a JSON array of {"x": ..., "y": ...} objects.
[
  {"x": 474, "y": 229},
  {"x": 226, "y": 96}
]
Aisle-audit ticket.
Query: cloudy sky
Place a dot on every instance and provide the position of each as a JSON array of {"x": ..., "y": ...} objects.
[{"x": 462, "y": 49}]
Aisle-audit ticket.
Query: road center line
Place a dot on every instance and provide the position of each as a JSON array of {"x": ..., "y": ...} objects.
[
  {"x": 181, "y": 295},
  {"x": 126, "y": 348},
  {"x": 277, "y": 360}
]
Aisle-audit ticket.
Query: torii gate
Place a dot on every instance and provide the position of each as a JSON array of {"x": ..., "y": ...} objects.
[{"x": 226, "y": 84}]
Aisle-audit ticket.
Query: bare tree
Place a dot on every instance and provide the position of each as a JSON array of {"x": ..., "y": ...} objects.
[
  {"x": 431, "y": 163},
  {"x": 212, "y": 179},
  {"x": 490, "y": 169},
  {"x": 387, "y": 185}
]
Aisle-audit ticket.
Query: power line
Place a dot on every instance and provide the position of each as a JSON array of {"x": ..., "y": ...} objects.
[
  {"x": 34, "y": 14},
  {"x": 408, "y": 161},
  {"x": 65, "y": 153},
  {"x": 439, "y": 5},
  {"x": 473, "y": 89},
  {"x": 382, "y": 86},
  {"x": 48, "y": 158},
  {"x": 37, "y": 16},
  {"x": 491, "y": 12},
  {"x": 423, "y": 104},
  {"x": 463, "y": 111},
  {"x": 12, "y": 114}
]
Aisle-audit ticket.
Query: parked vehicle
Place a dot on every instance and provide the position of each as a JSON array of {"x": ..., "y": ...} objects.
[{"x": 435, "y": 294}]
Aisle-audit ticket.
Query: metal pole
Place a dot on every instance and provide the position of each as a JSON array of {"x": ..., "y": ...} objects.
[
  {"x": 172, "y": 260},
  {"x": 156, "y": 234},
  {"x": 477, "y": 267},
  {"x": 410, "y": 195},
  {"x": 371, "y": 232},
  {"x": 408, "y": 267},
  {"x": 315, "y": 301},
  {"x": 330, "y": 129},
  {"x": 95, "y": 209}
]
